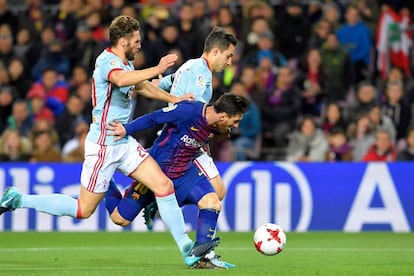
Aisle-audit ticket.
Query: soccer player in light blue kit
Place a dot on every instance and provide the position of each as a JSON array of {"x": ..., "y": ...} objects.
[
  {"x": 188, "y": 126},
  {"x": 114, "y": 80}
]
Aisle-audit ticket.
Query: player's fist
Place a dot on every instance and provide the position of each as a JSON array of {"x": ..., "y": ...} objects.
[{"x": 166, "y": 62}]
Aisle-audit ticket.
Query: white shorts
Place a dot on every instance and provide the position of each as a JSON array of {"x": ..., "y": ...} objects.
[
  {"x": 206, "y": 164},
  {"x": 102, "y": 161}
]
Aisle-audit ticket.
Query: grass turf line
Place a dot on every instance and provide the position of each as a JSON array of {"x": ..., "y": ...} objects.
[{"x": 136, "y": 253}]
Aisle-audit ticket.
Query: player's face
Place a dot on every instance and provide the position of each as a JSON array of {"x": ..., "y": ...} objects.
[
  {"x": 224, "y": 58},
  {"x": 133, "y": 46},
  {"x": 229, "y": 122}
]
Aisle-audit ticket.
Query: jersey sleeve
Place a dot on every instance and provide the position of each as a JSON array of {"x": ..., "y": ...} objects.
[
  {"x": 166, "y": 82},
  {"x": 174, "y": 113}
]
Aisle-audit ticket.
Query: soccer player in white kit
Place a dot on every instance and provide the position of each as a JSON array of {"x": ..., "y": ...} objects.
[{"x": 113, "y": 81}]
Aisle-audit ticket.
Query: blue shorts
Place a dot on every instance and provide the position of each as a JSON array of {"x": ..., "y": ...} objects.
[{"x": 192, "y": 186}]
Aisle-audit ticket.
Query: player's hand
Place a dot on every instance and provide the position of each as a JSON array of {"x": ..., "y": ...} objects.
[
  {"x": 185, "y": 97},
  {"x": 156, "y": 82},
  {"x": 116, "y": 129},
  {"x": 166, "y": 62}
]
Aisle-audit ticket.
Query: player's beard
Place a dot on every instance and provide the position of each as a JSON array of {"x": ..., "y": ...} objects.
[{"x": 130, "y": 52}]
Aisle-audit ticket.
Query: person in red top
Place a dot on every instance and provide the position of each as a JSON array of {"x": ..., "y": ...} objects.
[{"x": 382, "y": 150}]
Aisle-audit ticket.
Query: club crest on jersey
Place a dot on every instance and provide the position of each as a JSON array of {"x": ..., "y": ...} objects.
[
  {"x": 201, "y": 81},
  {"x": 169, "y": 108}
]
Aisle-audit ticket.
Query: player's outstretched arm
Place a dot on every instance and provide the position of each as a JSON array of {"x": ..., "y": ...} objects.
[
  {"x": 123, "y": 78},
  {"x": 151, "y": 91}
]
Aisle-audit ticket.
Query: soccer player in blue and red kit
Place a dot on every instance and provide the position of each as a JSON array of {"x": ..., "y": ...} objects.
[{"x": 188, "y": 126}]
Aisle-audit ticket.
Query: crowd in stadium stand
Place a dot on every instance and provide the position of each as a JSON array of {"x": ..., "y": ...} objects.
[{"x": 328, "y": 80}]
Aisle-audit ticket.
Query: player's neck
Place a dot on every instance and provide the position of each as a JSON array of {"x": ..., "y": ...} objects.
[
  {"x": 205, "y": 57},
  {"x": 119, "y": 53}
]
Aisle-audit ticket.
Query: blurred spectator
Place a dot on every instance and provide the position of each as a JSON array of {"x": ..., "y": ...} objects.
[
  {"x": 333, "y": 118},
  {"x": 82, "y": 49},
  {"x": 95, "y": 23},
  {"x": 25, "y": 44},
  {"x": 332, "y": 13},
  {"x": 55, "y": 90},
  {"x": 67, "y": 120},
  {"x": 248, "y": 77},
  {"x": 168, "y": 40},
  {"x": 13, "y": 147},
  {"x": 407, "y": 154},
  {"x": 19, "y": 77},
  {"x": 6, "y": 48},
  {"x": 63, "y": 21},
  {"x": 79, "y": 76},
  {"x": 314, "y": 11},
  {"x": 73, "y": 144},
  {"x": 258, "y": 26},
  {"x": 396, "y": 108},
  {"x": 383, "y": 149},
  {"x": 320, "y": 32},
  {"x": 84, "y": 91},
  {"x": 78, "y": 153},
  {"x": 336, "y": 68},
  {"x": 20, "y": 118},
  {"x": 54, "y": 58},
  {"x": 7, "y": 97},
  {"x": 369, "y": 11},
  {"x": 361, "y": 135},
  {"x": 245, "y": 137},
  {"x": 310, "y": 82},
  {"x": 281, "y": 110},
  {"x": 115, "y": 7},
  {"x": 45, "y": 142},
  {"x": 307, "y": 143},
  {"x": 292, "y": 32},
  {"x": 355, "y": 36},
  {"x": 33, "y": 17},
  {"x": 189, "y": 31},
  {"x": 37, "y": 104},
  {"x": 200, "y": 18},
  {"x": 365, "y": 98},
  {"x": 6, "y": 16},
  {"x": 339, "y": 147},
  {"x": 380, "y": 121}
]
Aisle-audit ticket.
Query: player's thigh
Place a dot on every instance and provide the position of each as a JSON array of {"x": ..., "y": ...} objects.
[
  {"x": 150, "y": 174},
  {"x": 88, "y": 201},
  {"x": 218, "y": 185},
  {"x": 206, "y": 164}
]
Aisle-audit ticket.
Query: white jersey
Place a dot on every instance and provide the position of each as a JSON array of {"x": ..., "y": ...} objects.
[{"x": 109, "y": 101}]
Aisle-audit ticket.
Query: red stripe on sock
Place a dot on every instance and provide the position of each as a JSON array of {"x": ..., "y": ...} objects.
[
  {"x": 79, "y": 213},
  {"x": 167, "y": 194}
]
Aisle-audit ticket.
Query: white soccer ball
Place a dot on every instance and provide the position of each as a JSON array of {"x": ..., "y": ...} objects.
[{"x": 269, "y": 239}]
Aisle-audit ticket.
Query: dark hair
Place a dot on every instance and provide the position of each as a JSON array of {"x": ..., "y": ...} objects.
[
  {"x": 231, "y": 104},
  {"x": 218, "y": 37},
  {"x": 122, "y": 26}
]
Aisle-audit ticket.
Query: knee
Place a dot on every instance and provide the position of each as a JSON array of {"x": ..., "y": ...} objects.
[
  {"x": 118, "y": 219},
  {"x": 164, "y": 186},
  {"x": 210, "y": 201}
]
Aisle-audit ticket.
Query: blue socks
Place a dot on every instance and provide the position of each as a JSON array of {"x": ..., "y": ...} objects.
[
  {"x": 206, "y": 225},
  {"x": 173, "y": 217},
  {"x": 54, "y": 204}
]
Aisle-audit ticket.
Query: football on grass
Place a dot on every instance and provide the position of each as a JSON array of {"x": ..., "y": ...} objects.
[{"x": 269, "y": 239}]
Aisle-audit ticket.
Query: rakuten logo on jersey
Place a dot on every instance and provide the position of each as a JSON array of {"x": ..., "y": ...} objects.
[{"x": 190, "y": 141}]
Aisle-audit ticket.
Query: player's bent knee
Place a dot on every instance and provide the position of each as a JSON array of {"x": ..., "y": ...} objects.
[
  {"x": 118, "y": 219},
  {"x": 164, "y": 187},
  {"x": 210, "y": 201},
  {"x": 219, "y": 187}
]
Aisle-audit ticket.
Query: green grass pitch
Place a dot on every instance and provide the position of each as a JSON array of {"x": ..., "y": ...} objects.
[{"x": 136, "y": 253}]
